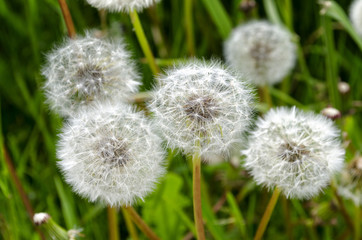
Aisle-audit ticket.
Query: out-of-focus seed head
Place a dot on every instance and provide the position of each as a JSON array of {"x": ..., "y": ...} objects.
[
  {"x": 122, "y": 5},
  {"x": 202, "y": 105},
  {"x": 247, "y": 6},
  {"x": 355, "y": 14},
  {"x": 40, "y": 218},
  {"x": 264, "y": 51},
  {"x": 343, "y": 88},
  {"x": 350, "y": 181},
  {"x": 86, "y": 70},
  {"x": 331, "y": 113},
  {"x": 295, "y": 151},
  {"x": 111, "y": 154}
]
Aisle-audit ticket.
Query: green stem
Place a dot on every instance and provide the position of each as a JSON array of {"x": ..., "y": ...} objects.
[
  {"x": 143, "y": 42},
  {"x": 196, "y": 186},
  {"x": 112, "y": 223},
  {"x": 357, "y": 222},
  {"x": 130, "y": 227},
  {"x": 267, "y": 214},
  {"x": 141, "y": 224},
  {"x": 189, "y": 27},
  {"x": 265, "y": 95},
  {"x": 331, "y": 63}
]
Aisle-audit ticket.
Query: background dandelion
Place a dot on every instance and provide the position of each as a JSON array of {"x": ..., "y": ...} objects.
[
  {"x": 265, "y": 51},
  {"x": 88, "y": 69},
  {"x": 122, "y": 5},
  {"x": 355, "y": 14}
]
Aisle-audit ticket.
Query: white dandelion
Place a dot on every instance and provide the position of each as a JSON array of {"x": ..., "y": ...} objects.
[
  {"x": 355, "y": 14},
  {"x": 350, "y": 181},
  {"x": 201, "y": 107},
  {"x": 110, "y": 154},
  {"x": 85, "y": 70},
  {"x": 264, "y": 51},
  {"x": 122, "y": 5},
  {"x": 295, "y": 151}
]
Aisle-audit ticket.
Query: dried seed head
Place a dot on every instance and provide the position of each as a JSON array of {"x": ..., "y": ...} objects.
[
  {"x": 110, "y": 153},
  {"x": 295, "y": 151},
  {"x": 122, "y": 5},
  {"x": 355, "y": 14},
  {"x": 343, "y": 88},
  {"x": 331, "y": 113},
  {"x": 202, "y": 105},
  {"x": 262, "y": 50},
  {"x": 86, "y": 70}
]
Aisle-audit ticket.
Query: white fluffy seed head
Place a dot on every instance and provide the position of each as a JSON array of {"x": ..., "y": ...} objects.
[
  {"x": 295, "y": 151},
  {"x": 111, "y": 154},
  {"x": 355, "y": 14},
  {"x": 264, "y": 51},
  {"x": 350, "y": 181},
  {"x": 202, "y": 107},
  {"x": 40, "y": 218},
  {"x": 85, "y": 70},
  {"x": 122, "y": 5}
]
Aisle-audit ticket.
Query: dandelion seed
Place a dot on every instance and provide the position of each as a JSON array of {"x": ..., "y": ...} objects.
[
  {"x": 200, "y": 105},
  {"x": 262, "y": 50},
  {"x": 295, "y": 151},
  {"x": 85, "y": 70},
  {"x": 355, "y": 14},
  {"x": 350, "y": 181},
  {"x": 122, "y": 5},
  {"x": 110, "y": 154}
]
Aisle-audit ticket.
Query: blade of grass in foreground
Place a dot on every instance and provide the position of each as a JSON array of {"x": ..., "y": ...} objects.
[
  {"x": 235, "y": 211},
  {"x": 219, "y": 16}
]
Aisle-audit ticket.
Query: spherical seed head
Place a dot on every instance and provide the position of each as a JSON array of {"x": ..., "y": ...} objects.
[
  {"x": 294, "y": 151},
  {"x": 111, "y": 154},
  {"x": 262, "y": 50},
  {"x": 202, "y": 107},
  {"x": 122, "y": 5},
  {"x": 350, "y": 181},
  {"x": 85, "y": 70},
  {"x": 355, "y": 14}
]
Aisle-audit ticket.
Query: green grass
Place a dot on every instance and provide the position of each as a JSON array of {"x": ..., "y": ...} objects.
[{"x": 329, "y": 50}]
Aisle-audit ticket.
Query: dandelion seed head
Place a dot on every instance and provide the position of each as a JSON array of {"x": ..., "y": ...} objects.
[
  {"x": 202, "y": 105},
  {"x": 122, "y": 5},
  {"x": 355, "y": 14},
  {"x": 262, "y": 50},
  {"x": 295, "y": 151},
  {"x": 350, "y": 181},
  {"x": 85, "y": 70},
  {"x": 110, "y": 153},
  {"x": 40, "y": 218}
]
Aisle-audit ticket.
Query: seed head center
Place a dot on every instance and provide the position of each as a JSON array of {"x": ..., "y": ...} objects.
[
  {"x": 292, "y": 152},
  {"x": 89, "y": 80},
  {"x": 201, "y": 109},
  {"x": 114, "y": 152}
]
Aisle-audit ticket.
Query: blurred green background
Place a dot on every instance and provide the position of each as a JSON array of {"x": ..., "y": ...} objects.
[{"x": 233, "y": 204}]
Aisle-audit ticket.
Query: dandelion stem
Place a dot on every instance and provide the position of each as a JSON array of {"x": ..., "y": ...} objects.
[
  {"x": 265, "y": 95},
  {"x": 189, "y": 27},
  {"x": 112, "y": 223},
  {"x": 196, "y": 172},
  {"x": 343, "y": 210},
  {"x": 357, "y": 222},
  {"x": 141, "y": 224},
  {"x": 143, "y": 42},
  {"x": 267, "y": 214},
  {"x": 67, "y": 18},
  {"x": 130, "y": 227},
  {"x": 8, "y": 162}
]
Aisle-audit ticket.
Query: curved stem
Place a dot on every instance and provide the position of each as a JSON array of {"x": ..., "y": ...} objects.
[
  {"x": 196, "y": 172},
  {"x": 67, "y": 18},
  {"x": 141, "y": 224},
  {"x": 112, "y": 223},
  {"x": 267, "y": 214},
  {"x": 143, "y": 42},
  {"x": 130, "y": 227}
]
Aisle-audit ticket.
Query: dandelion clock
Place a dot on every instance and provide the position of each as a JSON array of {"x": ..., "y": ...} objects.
[
  {"x": 122, "y": 5},
  {"x": 111, "y": 154},
  {"x": 88, "y": 69},
  {"x": 262, "y": 50}
]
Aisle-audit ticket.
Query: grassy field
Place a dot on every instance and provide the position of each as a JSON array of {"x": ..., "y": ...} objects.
[{"x": 329, "y": 51}]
